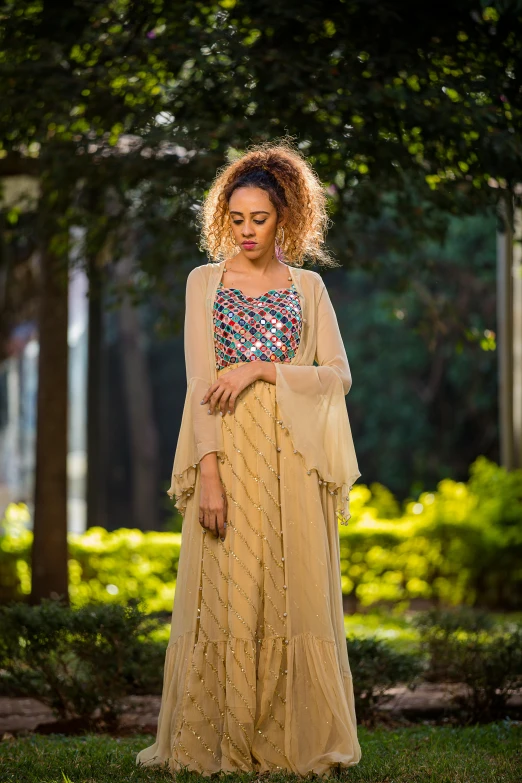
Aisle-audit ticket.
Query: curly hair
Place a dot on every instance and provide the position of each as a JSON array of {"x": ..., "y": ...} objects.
[{"x": 293, "y": 188}]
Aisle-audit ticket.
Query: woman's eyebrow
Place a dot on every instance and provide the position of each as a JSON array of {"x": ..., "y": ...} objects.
[{"x": 256, "y": 212}]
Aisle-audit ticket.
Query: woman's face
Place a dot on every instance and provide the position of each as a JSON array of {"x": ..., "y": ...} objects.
[{"x": 254, "y": 221}]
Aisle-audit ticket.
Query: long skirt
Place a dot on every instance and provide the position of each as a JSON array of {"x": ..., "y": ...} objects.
[{"x": 256, "y": 673}]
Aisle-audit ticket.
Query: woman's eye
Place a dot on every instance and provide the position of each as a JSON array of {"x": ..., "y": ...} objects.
[
  {"x": 236, "y": 222},
  {"x": 259, "y": 222}
]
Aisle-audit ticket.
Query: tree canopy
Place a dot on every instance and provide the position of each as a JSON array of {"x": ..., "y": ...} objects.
[
  {"x": 123, "y": 109},
  {"x": 374, "y": 91}
]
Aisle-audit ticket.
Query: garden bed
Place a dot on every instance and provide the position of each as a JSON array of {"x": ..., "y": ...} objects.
[{"x": 428, "y": 702}]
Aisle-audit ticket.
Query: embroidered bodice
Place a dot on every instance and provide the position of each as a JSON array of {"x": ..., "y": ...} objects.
[{"x": 266, "y": 327}]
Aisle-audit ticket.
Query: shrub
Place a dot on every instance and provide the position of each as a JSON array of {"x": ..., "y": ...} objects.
[
  {"x": 79, "y": 662},
  {"x": 15, "y": 553},
  {"x": 459, "y": 545},
  {"x": 376, "y": 667},
  {"x": 465, "y": 646},
  {"x": 124, "y": 565}
]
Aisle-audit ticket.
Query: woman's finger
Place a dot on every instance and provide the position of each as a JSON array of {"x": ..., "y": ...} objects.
[
  {"x": 223, "y": 402},
  {"x": 220, "y": 521},
  {"x": 212, "y": 403},
  {"x": 232, "y": 402},
  {"x": 210, "y": 519},
  {"x": 208, "y": 392},
  {"x": 207, "y": 520},
  {"x": 226, "y": 516},
  {"x": 215, "y": 528}
]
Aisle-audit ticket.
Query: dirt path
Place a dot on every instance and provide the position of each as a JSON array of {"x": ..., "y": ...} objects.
[{"x": 18, "y": 715}]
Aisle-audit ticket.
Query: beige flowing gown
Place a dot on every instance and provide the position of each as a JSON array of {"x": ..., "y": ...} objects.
[{"x": 257, "y": 676}]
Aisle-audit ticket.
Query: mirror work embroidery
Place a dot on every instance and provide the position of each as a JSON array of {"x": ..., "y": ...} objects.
[{"x": 266, "y": 327}]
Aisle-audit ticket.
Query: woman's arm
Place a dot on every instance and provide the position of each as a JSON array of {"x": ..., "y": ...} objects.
[
  {"x": 212, "y": 501},
  {"x": 265, "y": 371},
  {"x": 222, "y": 395},
  {"x": 330, "y": 351},
  {"x": 197, "y": 362},
  {"x": 312, "y": 405},
  {"x": 330, "y": 356},
  {"x": 333, "y": 370}
]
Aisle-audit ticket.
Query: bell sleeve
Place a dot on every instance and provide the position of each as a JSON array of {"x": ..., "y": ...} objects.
[
  {"x": 312, "y": 403},
  {"x": 199, "y": 433}
]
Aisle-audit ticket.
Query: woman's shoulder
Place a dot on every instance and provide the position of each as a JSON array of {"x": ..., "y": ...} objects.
[
  {"x": 312, "y": 278},
  {"x": 205, "y": 268},
  {"x": 314, "y": 275},
  {"x": 201, "y": 272}
]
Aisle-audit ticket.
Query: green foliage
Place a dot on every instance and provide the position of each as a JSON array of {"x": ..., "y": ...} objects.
[
  {"x": 140, "y": 102},
  {"x": 83, "y": 662},
  {"x": 15, "y": 548},
  {"x": 79, "y": 662},
  {"x": 418, "y": 319},
  {"x": 375, "y": 668},
  {"x": 104, "y": 567},
  {"x": 122, "y": 565},
  {"x": 393, "y": 627},
  {"x": 459, "y": 545},
  {"x": 466, "y": 647}
]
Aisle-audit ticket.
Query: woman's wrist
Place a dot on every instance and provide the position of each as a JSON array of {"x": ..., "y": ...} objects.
[
  {"x": 264, "y": 371},
  {"x": 209, "y": 465}
]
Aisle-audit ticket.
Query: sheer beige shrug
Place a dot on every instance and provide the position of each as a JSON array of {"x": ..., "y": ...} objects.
[{"x": 311, "y": 398}]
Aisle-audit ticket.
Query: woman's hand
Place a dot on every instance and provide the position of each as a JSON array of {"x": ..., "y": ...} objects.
[
  {"x": 223, "y": 393},
  {"x": 213, "y": 503}
]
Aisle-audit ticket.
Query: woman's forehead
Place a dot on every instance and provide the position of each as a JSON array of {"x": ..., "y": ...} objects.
[{"x": 250, "y": 200}]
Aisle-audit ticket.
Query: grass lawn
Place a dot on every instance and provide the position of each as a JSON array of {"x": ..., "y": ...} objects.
[
  {"x": 420, "y": 754},
  {"x": 396, "y": 630}
]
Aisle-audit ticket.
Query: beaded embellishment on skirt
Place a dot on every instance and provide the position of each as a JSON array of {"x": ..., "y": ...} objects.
[{"x": 257, "y": 676}]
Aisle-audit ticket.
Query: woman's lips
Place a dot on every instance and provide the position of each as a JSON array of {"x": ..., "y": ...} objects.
[{"x": 249, "y": 245}]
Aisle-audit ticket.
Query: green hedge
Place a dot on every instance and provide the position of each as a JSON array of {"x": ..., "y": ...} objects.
[
  {"x": 79, "y": 662},
  {"x": 459, "y": 545},
  {"x": 83, "y": 662},
  {"x": 103, "y": 567}
]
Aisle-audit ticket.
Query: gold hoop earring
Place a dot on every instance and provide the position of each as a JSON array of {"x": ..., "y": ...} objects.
[
  {"x": 232, "y": 237},
  {"x": 279, "y": 252}
]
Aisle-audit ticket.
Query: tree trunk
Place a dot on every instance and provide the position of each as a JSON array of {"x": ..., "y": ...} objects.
[
  {"x": 50, "y": 552},
  {"x": 143, "y": 434},
  {"x": 96, "y": 514},
  {"x": 517, "y": 338},
  {"x": 509, "y": 317}
]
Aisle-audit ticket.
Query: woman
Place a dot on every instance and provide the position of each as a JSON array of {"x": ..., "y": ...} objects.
[{"x": 257, "y": 676}]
